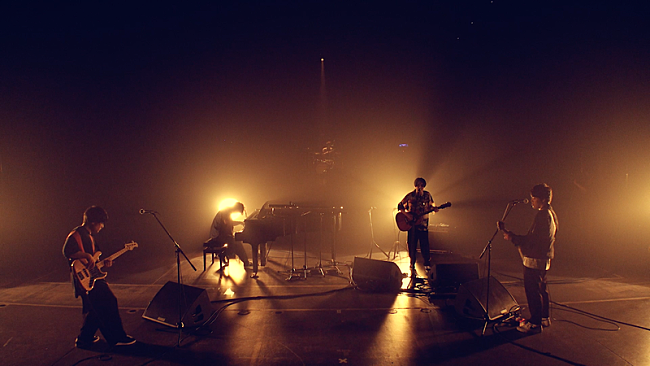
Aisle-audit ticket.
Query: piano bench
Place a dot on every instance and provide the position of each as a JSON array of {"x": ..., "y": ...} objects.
[{"x": 220, "y": 251}]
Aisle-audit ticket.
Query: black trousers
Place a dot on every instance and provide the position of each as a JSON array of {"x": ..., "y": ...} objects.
[
  {"x": 415, "y": 236},
  {"x": 100, "y": 311},
  {"x": 536, "y": 294}
]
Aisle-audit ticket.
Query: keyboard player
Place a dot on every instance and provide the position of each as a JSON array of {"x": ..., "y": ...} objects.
[{"x": 222, "y": 232}]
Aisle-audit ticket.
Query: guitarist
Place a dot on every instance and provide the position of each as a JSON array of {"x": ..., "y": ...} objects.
[
  {"x": 537, "y": 249},
  {"x": 100, "y": 310},
  {"x": 416, "y": 203}
]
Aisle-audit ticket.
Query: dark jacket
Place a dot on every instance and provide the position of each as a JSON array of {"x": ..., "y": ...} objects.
[{"x": 540, "y": 240}]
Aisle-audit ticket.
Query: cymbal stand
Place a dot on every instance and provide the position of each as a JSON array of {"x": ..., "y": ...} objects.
[
  {"x": 488, "y": 249},
  {"x": 372, "y": 237}
]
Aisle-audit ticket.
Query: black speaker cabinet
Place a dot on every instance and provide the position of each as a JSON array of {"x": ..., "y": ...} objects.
[
  {"x": 472, "y": 296},
  {"x": 449, "y": 276},
  {"x": 376, "y": 276},
  {"x": 195, "y": 306}
]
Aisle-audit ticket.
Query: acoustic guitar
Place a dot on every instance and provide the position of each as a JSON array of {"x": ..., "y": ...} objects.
[{"x": 406, "y": 220}]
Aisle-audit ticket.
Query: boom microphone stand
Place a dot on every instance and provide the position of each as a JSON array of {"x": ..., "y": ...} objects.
[
  {"x": 372, "y": 237},
  {"x": 488, "y": 249},
  {"x": 178, "y": 251},
  {"x": 396, "y": 244}
]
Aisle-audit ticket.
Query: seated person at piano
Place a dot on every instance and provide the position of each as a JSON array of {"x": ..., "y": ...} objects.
[{"x": 222, "y": 232}]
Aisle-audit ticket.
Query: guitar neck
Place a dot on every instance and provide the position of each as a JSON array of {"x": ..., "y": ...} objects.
[
  {"x": 118, "y": 253},
  {"x": 100, "y": 263},
  {"x": 443, "y": 206},
  {"x": 431, "y": 210}
]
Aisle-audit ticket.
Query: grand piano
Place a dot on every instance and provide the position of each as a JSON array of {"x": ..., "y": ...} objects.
[{"x": 276, "y": 220}]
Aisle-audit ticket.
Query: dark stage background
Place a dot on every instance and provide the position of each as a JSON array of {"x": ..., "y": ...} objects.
[{"x": 174, "y": 108}]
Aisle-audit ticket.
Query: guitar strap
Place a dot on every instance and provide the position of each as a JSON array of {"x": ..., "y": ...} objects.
[
  {"x": 78, "y": 289},
  {"x": 92, "y": 241},
  {"x": 75, "y": 234}
]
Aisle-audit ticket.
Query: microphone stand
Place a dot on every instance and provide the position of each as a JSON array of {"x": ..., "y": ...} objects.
[
  {"x": 178, "y": 251},
  {"x": 488, "y": 249},
  {"x": 372, "y": 237}
]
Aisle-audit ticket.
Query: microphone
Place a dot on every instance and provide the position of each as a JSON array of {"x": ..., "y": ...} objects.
[
  {"x": 523, "y": 200},
  {"x": 143, "y": 211}
]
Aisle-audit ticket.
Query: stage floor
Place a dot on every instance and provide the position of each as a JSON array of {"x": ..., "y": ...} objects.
[{"x": 321, "y": 319}]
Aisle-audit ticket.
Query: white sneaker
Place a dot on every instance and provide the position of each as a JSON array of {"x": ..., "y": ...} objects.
[
  {"x": 546, "y": 322},
  {"x": 85, "y": 343},
  {"x": 127, "y": 341},
  {"x": 529, "y": 327}
]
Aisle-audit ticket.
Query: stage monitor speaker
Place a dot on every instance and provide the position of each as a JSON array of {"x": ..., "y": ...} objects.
[
  {"x": 449, "y": 276},
  {"x": 472, "y": 295},
  {"x": 376, "y": 276},
  {"x": 195, "y": 306}
]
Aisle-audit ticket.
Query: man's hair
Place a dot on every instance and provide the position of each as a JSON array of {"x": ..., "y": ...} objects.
[
  {"x": 95, "y": 214},
  {"x": 543, "y": 192},
  {"x": 420, "y": 180},
  {"x": 238, "y": 207}
]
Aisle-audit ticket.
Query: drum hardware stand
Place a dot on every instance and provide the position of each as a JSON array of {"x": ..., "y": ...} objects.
[
  {"x": 372, "y": 237},
  {"x": 305, "y": 270},
  {"x": 335, "y": 240},
  {"x": 319, "y": 267},
  {"x": 181, "y": 294}
]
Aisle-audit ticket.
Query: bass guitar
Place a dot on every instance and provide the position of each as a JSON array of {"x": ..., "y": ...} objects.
[
  {"x": 87, "y": 277},
  {"x": 406, "y": 220}
]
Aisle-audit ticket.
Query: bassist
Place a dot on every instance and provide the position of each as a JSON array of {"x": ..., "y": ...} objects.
[
  {"x": 418, "y": 203},
  {"x": 100, "y": 309}
]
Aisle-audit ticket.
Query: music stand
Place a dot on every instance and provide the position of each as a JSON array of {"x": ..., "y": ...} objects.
[{"x": 293, "y": 272}]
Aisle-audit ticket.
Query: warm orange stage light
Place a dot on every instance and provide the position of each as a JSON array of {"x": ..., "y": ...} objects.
[{"x": 229, "y": 202}]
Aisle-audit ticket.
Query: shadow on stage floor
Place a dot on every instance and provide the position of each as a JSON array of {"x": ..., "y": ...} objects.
[{"x": 316, "y": 315}]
